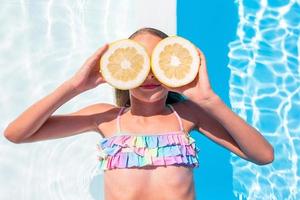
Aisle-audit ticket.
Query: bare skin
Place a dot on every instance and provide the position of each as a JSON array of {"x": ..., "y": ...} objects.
[
  {"x": 148, "y": 108},
  {"x": 203, "y": 111},
  {"x": 149, "y": 182}
]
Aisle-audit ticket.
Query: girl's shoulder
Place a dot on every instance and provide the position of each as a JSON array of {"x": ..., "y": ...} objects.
[
  {"x": 101, "y": 113},
  {"x": 101, "y": 108},
  {"x": 186, "y": 109}
]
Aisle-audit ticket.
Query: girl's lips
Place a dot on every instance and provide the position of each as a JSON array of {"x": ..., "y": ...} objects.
[{"x": 149, "y": 86}]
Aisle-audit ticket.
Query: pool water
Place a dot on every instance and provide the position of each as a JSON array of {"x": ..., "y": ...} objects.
[{"x": 252, "y": 52}]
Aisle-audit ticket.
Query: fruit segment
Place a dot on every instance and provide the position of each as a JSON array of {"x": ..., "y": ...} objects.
[
  {"x": 125, "y": 65},
  {"x": 175, "y": 61}
]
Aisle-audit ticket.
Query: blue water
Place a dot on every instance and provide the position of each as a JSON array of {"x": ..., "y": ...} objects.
[
  {"x": 211, "y": 25},
  {"x": 265, "y": 90},
  {"x": 252, "y": 52},
  {"x": 252, "y": 48}
]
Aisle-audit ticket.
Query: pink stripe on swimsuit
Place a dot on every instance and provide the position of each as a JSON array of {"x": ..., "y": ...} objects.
[{"x": 169, "y": 148}]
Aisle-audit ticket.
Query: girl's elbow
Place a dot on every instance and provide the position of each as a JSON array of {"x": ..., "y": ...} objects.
[
  {"x": 268, "y": 158},
  {"x": 12, "y": 138},
  {"x": 10, "y": 135}
]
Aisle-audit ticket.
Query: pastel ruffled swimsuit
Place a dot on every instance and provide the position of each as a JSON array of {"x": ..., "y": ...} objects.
[{"x": 127, "y": 150}]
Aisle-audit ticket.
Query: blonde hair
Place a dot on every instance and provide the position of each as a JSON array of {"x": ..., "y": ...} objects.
[{"x": 122, "y": 98}]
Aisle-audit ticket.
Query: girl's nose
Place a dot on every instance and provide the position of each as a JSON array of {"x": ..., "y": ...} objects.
[{"x": 150, "y": 75}]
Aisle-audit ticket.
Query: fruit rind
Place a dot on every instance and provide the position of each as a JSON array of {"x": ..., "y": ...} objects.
[
  {"x": 159, "y": 74},
  {"x": 119, "y": 84}
]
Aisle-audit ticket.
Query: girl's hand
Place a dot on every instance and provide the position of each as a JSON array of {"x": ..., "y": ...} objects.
[
  {"x": 199, "y": 89},
  {"x": 88, "y": 76}
]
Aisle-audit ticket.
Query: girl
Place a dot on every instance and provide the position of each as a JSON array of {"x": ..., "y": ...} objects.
[{"x": 158, "y": 163}]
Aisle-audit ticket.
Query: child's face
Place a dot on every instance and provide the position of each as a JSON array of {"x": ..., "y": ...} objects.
[{"x": 149, "y": 41}]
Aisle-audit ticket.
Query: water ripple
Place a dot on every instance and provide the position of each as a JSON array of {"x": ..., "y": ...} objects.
[
  {"x": 264, "y": 90},
  {"x": 43, "y": 43}
]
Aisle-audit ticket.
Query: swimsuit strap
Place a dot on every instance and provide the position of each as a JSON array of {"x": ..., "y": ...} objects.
[
  {"x": 173, "y": 110},
  {"x": 178, "y": 117},
  {"x": 118, "y": 120}
]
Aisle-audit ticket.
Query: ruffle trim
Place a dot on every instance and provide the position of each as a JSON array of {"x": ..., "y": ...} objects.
[
  {"x": 129, "y": 160},
  {"x": 124, "y": 151},
  {"x": 150, "y": 141}
]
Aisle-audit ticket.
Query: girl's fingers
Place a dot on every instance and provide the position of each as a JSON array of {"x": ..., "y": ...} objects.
[
  {"x": 94, "y": 59},
  {"x": 100, "y": 51},
  {"x": 202, "y": 62},
  {"x": 202, "y": 57}
]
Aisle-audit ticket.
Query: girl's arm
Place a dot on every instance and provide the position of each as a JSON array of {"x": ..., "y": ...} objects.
[
  {"x": 36, "y": 122},
  {"x": 34, "y": 117},
  {"x": 223, "y": 126},
  {"x": 219, "y": 123}
]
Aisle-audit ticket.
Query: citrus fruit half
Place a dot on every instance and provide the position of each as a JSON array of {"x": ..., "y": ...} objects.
[
  {"x": 175, "y": 61},
  {"x": 125, "y": 64}
]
